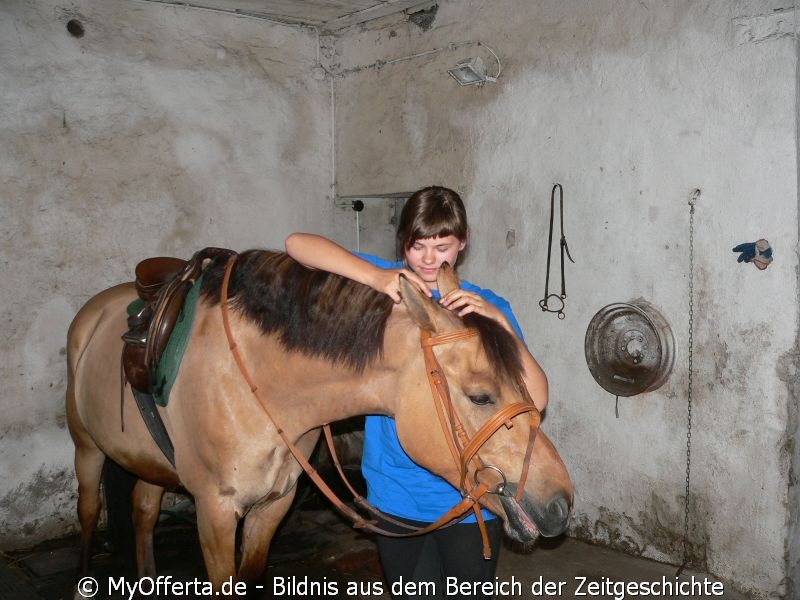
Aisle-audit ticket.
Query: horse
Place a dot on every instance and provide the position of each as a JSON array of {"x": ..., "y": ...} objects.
[{"x": 313, "y": 348}]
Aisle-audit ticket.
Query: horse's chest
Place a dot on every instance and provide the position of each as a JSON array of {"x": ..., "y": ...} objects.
[{"x": 260, "y": 471}]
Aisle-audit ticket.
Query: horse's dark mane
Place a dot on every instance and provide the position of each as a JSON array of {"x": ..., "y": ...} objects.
[
  {"x": 314, "y": 312},
  {"x": 326, "y": 315}
]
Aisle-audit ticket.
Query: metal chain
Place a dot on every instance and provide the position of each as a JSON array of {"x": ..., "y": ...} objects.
[{"x": 692, "y": 201}]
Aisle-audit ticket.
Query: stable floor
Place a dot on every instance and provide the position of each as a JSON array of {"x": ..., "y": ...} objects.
[{"x": 318, "y": 555}]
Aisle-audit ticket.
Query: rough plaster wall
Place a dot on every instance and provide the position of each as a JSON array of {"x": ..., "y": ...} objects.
[
  {"x": 160, "y": 131},
  {"x": 631, "y": 106},
  {"x": 789, "y": 373}
]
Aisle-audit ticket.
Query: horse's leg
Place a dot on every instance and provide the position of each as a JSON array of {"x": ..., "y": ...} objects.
[
  {"x": 259, "y": 528},
  {"x": 146, "y": 509},
  {"x": 89, "y": 469},
  {"x": 216, "y": 526}
]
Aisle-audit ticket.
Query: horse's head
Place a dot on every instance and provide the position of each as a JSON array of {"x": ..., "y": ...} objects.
[{"x": 501, "y": 445}]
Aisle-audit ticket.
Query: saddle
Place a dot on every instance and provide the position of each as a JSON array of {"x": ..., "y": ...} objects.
[{"x": 162, "y": 283}]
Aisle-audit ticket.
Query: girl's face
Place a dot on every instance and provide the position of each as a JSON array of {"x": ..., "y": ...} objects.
[{"x": 425, "y": 256}]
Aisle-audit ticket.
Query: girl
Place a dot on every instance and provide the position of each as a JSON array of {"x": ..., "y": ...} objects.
[{"x": 432, "y": 229}]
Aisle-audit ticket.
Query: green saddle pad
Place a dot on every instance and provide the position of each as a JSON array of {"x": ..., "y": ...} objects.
[{"x": 176, "y": 346}]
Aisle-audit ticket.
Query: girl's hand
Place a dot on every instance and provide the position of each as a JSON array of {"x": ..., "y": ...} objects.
[
  {"x": 463, "y": 302},
  {"x": 388, "y": 282}
]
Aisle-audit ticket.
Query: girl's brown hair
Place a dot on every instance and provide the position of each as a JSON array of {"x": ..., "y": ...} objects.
[{"x": 431, "y": 212}]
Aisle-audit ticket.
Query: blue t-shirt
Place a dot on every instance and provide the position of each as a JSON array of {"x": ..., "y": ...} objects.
[{"x": 395, "y": 483}]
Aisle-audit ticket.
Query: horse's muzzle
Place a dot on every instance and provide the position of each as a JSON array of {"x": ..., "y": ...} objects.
[
  {"x": 556, "y": 517},
  {"x": 550, "y": 520}
]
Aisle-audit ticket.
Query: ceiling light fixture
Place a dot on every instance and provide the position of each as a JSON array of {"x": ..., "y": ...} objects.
[{"x": 472, "y": 71}]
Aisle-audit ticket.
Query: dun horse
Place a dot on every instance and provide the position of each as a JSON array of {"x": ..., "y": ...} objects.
[{"x": 318, "y": 348}]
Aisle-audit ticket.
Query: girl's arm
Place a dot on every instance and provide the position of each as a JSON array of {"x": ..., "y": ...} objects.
[
  {"x": 535, "y": 379},
  {"x": 317, "y": 252}
]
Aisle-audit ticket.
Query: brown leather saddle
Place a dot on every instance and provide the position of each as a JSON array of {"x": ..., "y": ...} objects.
[{"x": 162, "y": 283}]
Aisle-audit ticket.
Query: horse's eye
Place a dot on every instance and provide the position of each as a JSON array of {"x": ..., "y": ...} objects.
[{"x": 481, "y": 399}]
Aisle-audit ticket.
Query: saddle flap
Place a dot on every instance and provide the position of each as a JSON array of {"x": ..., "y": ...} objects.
[{"x": 167, "y": 317}]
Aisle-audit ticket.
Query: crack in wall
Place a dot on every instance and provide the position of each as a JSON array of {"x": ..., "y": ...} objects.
[{"x": 755, "y": 29}]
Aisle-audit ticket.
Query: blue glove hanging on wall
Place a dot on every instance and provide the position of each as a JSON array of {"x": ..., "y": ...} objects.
[
  {"x": 748, "y": 251},
  {"x": 759, "y": 253}
]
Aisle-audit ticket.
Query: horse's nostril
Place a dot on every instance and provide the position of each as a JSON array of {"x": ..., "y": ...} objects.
[{"x": 559, "y": 509}]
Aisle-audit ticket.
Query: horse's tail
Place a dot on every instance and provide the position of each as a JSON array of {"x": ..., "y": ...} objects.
[{"x": 117, "y": 489}]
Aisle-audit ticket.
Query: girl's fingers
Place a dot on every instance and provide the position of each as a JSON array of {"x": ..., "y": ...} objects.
[
  {"x": 463, "y": 303},
  {"x": 389, "y": 284},
  {"x": 467, "y": 309},
  {"x": 394, "y": 294},
  {"x": 447, "y": 300},
  {"x": 461, "y": 296}
]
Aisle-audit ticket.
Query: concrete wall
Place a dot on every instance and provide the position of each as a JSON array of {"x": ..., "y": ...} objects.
[
  {"x": 631, "y": 105},
  {"x": 159, "y": 131},
  {"x": 162, "y": 130}
]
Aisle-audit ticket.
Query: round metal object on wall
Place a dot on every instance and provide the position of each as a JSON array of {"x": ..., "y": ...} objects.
[{"x": 629, "y": 348}]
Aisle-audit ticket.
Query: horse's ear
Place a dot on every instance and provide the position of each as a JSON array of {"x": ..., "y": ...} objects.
[
  {"x": 421, "y": 308},
  {"x": 446, "y": 279}
]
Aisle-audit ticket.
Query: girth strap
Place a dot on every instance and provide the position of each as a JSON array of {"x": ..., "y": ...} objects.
[{"x": 152, "y": 418}]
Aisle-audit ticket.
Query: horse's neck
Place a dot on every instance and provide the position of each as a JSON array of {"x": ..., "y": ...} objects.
[
  {"x": 303, "y": 392},
  {"x": 319, "y": 392},
  {"x": 342, "y": 397}
]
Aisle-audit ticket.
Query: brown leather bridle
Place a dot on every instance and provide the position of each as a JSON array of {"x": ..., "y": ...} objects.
[{"x": 463, "y": 449}]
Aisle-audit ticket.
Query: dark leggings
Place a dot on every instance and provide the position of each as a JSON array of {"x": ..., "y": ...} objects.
[{"x": 455, "y": 551}]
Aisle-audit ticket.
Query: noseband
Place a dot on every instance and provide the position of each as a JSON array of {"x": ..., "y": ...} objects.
[{"x": 464, "y": 449}]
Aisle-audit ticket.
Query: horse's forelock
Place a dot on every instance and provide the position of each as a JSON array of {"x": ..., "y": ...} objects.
[
  {"x": 310, "y": 311},
  {"x": 500, "y": 346}
]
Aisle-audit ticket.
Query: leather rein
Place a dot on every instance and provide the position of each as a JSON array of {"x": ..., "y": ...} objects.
[{"x": 463, "y": 449}]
